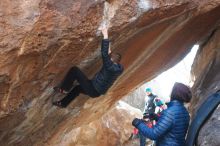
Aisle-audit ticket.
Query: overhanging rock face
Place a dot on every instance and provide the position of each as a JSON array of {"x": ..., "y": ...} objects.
[{"x": 41, "y": 39}]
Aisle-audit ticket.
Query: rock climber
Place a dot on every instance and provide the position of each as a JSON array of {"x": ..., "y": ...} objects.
[{"x": 99, "y": 84}]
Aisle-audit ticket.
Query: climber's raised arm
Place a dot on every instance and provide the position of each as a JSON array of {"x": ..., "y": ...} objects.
[{"x": 105, "y": 37}]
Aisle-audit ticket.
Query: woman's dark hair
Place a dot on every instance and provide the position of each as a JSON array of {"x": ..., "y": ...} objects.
[{"x": 181, "y": 92}]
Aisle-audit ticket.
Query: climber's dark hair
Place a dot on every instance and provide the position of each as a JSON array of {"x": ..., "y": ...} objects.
[{"x": 181, "y": 92}]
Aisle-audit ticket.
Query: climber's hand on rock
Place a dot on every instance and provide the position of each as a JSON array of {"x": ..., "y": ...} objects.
[{"x": 105, "y": 33}]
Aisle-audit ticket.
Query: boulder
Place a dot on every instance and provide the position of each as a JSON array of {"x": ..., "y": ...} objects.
[
  {"x": 41, "y": 39},
  {"x": 206, "y": 73},
  {"x": 113, "y": 128}
]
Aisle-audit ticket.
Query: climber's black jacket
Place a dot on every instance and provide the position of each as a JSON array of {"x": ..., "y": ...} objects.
[{"x": 109, "y": 72}]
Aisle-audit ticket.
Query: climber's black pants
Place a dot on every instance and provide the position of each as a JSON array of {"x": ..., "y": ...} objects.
[{"x": 85, "y": 86}]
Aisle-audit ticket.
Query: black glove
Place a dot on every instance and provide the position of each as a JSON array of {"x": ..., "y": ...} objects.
[{"x": 136, "y": 122}]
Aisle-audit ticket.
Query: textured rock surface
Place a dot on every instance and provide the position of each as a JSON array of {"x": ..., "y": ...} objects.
[
  {"x": 136, "y": 98},
  {"x": 136, "y": 142},
  {"x": 206, "y": 71},
  {"x": 210, "y": 134},
  {"x": 113, "y": 128},
  {"x": 41, "y": 39}
]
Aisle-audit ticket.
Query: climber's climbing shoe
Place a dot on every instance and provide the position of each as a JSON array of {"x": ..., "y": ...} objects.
[
  {"x": 58, "y": 103},
  {"x": 58, "y": 89}
]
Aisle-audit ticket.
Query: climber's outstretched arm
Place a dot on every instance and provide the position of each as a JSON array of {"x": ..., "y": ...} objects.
[{"x": 105, "y": 37}]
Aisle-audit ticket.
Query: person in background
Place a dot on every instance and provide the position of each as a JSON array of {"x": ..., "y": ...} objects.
[
  {"x": 149, "y": 103},
  {"x": 160, "y": 105},
  {"x": 171, "y": 128},
  {"x": 153, "y": 118},
  {"x": 149, "y": 110},
  {"x": 148, "y": 120}
]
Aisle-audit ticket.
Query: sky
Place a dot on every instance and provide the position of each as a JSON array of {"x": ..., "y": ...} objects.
[{"x": 162, "y": 84}]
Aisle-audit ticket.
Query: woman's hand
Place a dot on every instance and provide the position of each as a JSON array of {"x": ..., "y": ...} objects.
[
  {"x": 105, "y": 33},
  {"x": 136, "y": 122}
]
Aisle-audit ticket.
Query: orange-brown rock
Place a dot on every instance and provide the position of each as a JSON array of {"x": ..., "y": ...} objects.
[
  {"x": 113, "y": 128},
  {"x": 41, "y": 39}
]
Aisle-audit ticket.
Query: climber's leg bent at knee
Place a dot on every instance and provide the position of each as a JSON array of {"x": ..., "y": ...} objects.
[
  {"x": 85, "y": 86},
  {"x": 74, "y": 74}
]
